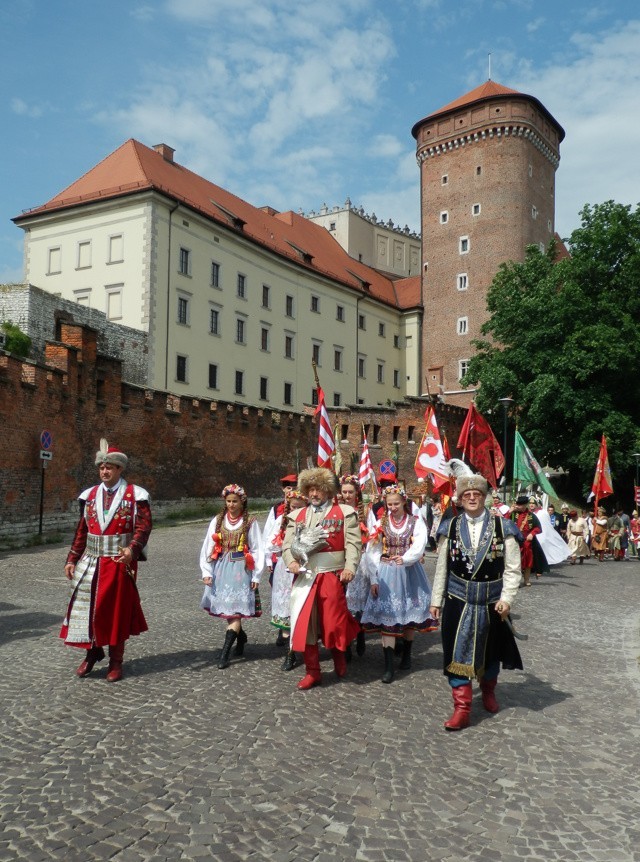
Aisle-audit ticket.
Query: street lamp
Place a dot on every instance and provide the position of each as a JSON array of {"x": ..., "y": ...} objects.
[{"x": 506, "y": 402}]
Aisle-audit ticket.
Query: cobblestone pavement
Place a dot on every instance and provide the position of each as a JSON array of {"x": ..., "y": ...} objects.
[{"x": 183, "y": 761}]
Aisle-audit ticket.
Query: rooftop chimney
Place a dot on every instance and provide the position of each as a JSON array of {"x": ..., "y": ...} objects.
[{"x": 165, "y": 151}]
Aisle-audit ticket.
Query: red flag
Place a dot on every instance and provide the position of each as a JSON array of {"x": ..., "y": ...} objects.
[
  {"x": 430, "y": 460},
  {"x": 366, "y": 470},
  {"x": 479, "y": 444},
  {"x": 602, "y": 486},
  {"x": 326, "y": 445}
]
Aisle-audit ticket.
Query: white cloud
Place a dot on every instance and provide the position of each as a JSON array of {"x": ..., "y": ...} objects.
[
  {"x": 20, "y": 107},
  {"x": 532, "y": 26},
  {"x": 595, "y": 97},
  {"x": 386, "y": 145}
]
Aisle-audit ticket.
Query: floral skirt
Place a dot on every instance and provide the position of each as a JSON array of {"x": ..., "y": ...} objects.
[
  {"x": 281, "y": 596},
  {"x": 358, "y": 591},
  {"x": 230, "y": 594},
  {"x": 404, "y": 596}
]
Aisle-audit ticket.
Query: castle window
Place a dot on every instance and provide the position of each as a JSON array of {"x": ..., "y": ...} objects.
[
  {"x": 315, "y": 353},
  {"x": 445, "y": 179},
  {"x": 240, "y": 330},
  {"x": 288, "y": 346},
  {"x": 337, "y": 399},
  {"x": 361, "y": 367},
  {"x": 214, "y": 321},
  {"x": 266, "y": 296},
  {"x": 337, "y": 360},
  {"x": 411, "y": 430},
  {"x": 380, "y": 372},
  {"x": 463, "y": 367},
  {"x": 239, "y": 388},
  {"x": 288, "y": 306},
  {"x": 396, "y": 380},
  {"x": 463, "y": 325},
  {"x": 315, "y": 304},
  {"x": 242, "y": 286},
  {"x": 444, "y": 217},
  {"x": 475, "y": 209},
  {"x": 464, "y": 245},
  {"x": 396, "y": 341},
  {"x": 381, "y": 330},
  {"x": 213, "y": 376},
  {"x": 332, "y": 225},
  {"x": 288, "y": 393},
  {"x": 116, "y": 249},
  {"x": 462, "y": 281},
  {"x": 181, "y": 369},
  {"x": 183, "y": 310},
  {"x": 114, "y": 303},
  {"x": 340, "y": 313},
  {"x": 263, "y": 389},
  {"x": 264, "y": 338},
  {"x": 478, "y": 170},
  {"x": 549, "y": 226},
  {"x": 84, "y": 255},
  {"x": 362, "y": 321},
  {"x": 534, "y": 212},
  {"x": 184, "y": 262},
  {"x": 54, "y": 266},
  {"x": 215, "y": 274},
  {"x": 530, "y": 170}
]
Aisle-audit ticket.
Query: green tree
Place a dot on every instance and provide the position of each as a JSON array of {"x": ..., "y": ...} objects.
[
  {"x": 563, "y": 340},
  {"x": 16, "y": 341}
]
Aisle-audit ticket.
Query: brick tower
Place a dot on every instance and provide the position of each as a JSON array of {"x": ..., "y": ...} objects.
[{"x": 487, "y": 171}]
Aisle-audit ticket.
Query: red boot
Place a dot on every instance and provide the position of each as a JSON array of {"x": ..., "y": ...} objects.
[
  {"x": 95, "y": 654},
  {"x": 339, "y": 661},
  {"x": 116, "y": 654},
  {"x": 312, "y": 666},
  {"x": 487, "y": 687},
  {"x": 461, "y": 717}
]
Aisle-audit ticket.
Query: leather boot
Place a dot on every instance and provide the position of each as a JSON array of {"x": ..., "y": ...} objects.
[
  {"x": 461, "y": 717},
  {"x": 116, "y": 654},
  {"x": 95, "y": 654},
  {"x": 360, "y": 642},
  {"x": 240, "y": 642},
  {"x": 397, "y": 647},
  {"x": 280, "y": 640},
  {"x": 224, "y": 660},
  {"x": 389, "y": 666},
  {"x": 487, "y": 687},
  {"x": 339, "y": 661},
  {"x": 405, "y": 662},
  {"x": 290, "y": 661},
  {"x": 312, "y": 666}
]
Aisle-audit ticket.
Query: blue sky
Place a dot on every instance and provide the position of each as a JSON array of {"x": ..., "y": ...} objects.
[{"x": 296, "y": 104}]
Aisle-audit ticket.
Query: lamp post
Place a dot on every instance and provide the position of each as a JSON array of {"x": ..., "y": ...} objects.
[{"x": 506, "y": 402}]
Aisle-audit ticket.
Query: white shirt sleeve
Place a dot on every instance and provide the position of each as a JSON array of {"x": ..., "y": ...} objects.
[
  {"x": 206, "y": 566},
  {"x": 416, "y": 549},
  {"x": 256, "y": 549}
]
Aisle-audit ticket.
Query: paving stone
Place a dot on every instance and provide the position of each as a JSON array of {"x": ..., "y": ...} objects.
[{"x": 183, "y": 761}]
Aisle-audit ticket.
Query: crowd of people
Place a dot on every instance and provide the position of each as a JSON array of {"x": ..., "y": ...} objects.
[{"x": 340, "y": 571}]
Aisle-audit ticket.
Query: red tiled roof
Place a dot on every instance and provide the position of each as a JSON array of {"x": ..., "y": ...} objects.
[
  {"x": 488, "y": 90},
  {"x": 134, "y": 168},
  {"x": 409, "y": 291}
]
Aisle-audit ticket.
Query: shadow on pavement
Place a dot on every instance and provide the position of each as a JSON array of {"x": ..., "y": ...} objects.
[{"x": 27, "y": 625}]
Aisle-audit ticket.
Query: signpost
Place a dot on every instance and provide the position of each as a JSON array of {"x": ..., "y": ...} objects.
[{"x": 46, "y": 442}]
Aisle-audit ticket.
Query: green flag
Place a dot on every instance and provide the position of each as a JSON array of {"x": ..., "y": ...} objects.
[{"x": 526, "y": 469}]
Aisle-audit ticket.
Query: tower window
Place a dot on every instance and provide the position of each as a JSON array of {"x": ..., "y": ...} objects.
[
  {"x": 464, "y": 244},
  {"x": 478, "y": 171},
  {"x": 462, "y": 282},
  {"x": 463, "y": 325},
  {"x": 444, "y": 217},
  {"x": 445, "y": 179},
  {"x": 475, "y": 209}
]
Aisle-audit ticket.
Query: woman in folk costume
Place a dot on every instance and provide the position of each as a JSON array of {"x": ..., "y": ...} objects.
[
  {"x": 282, "y": 577},
  {"x": 577, "y": 534},
  {"x": 400, "y": 595},
  {"x": 600, "y": 538},
  {"x": 102, "y": 565},
  {"x": 231, "y": 561},
  {"x": 476, "y": 582},
  {"x": 358, "y": 588}
]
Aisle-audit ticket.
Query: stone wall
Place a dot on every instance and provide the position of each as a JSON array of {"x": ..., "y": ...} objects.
[{"x": 39, "y": 314}]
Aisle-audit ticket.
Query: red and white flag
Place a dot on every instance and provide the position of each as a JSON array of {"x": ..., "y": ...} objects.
[
  {"x": 366, "y": 470},
  {"x": 602, "y": 485},
  {"x": 326, "y": 445},
  {"x": 430, "y": 460}
]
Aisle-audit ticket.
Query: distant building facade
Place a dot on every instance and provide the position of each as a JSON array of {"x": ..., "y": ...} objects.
[
  {"x": 236, "y": 301},
  {"x": 382, "y": 245}
]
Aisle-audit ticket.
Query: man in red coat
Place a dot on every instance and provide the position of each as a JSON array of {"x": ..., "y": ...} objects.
[
  {"x": 110, "y": 539},
  {"x": 318, "y": 604}
]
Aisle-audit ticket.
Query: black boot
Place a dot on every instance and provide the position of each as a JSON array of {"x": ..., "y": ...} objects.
[
  {"x": 224, "y": 660},
  {"x": 360, "y": 642},
  {"x": 242, "y": 639},
  {"x": 281, "y": 640},
  {"x": 405, "y": 662},
  {"x": 290, "y": 661},
  {"x": 389, "y": 670},
  {"x": 398, "y": 648},
  {"x": 348, "y": 653}
]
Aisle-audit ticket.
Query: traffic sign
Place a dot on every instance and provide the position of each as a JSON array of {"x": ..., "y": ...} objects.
[
  {"x": 387, "y": 469},
  {"x": 46, "y": 456},
  {"x": 46, "y": 440}
]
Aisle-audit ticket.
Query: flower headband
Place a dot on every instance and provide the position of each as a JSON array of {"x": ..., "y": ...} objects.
[
  {"x": 395, "y": 489},
  {"x": 295, "y": 495},
  {"x": 235, "y": 489},
  {"x": 350, "y": 479}
]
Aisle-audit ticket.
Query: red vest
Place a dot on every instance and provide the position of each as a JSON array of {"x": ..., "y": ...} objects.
[
  {"x": 122, "y": 521},
  {"x": 333, "y": 522}
]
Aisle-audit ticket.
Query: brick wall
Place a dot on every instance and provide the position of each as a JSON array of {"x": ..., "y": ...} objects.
[{"x": 179, "y": 448}]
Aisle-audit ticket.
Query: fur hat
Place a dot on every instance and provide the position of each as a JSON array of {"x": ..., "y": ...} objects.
[
  {"x": 475, "y": 482},
  {"x": 318, "y": 477},
  {"x": 522, "y": 500},
  {"x": 110, "y": 455}
]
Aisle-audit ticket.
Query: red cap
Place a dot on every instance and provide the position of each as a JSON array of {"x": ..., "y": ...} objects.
[{"x": 291, "y": 479}]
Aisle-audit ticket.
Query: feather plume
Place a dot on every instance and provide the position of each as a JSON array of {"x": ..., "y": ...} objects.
[
  {"x": 104, "y": 446},
  {"x": 458, "y": 468}
]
